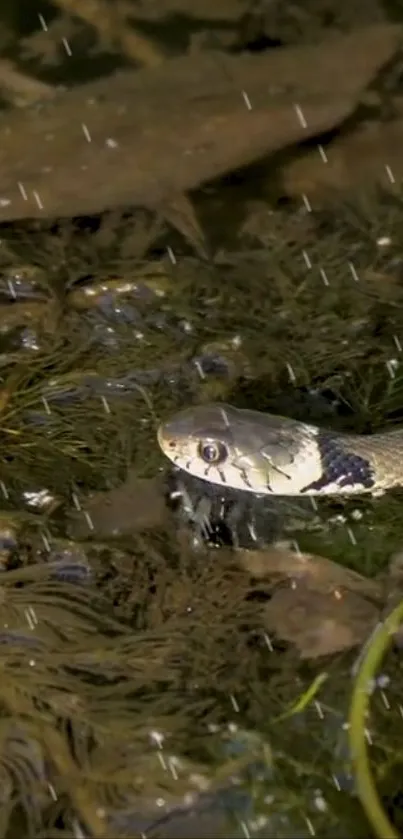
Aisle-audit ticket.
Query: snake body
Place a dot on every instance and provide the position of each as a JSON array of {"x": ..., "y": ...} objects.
[{"x": 267, "y": 454}]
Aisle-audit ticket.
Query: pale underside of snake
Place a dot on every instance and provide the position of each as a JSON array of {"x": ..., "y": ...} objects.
[{"x": 267, "y": 454}]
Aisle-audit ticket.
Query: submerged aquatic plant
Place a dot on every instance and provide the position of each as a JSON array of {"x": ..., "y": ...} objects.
[{"x": 138, "y": 675}]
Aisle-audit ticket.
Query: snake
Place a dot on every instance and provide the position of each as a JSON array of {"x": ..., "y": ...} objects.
[{"x": 263, "y": 453}]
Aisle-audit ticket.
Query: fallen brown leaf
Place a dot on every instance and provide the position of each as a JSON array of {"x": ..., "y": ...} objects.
[
  {"x": 317, "y": 605},
  {"x": 137, "y": 504},
  {"x": 317, "y": 623},
  {"x": 367, "y": 155},
  {"x": 324, "y": 575},
  {"x": 143, "y": 137}
]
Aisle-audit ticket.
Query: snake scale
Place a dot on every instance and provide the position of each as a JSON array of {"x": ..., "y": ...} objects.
[{"x": 267, "y": 454}]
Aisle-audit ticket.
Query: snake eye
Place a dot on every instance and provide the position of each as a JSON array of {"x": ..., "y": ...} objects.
[{"x": 212, "y": 452}]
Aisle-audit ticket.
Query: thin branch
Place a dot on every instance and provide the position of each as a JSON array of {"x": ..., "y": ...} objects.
[{"x": 110, "y": 20}]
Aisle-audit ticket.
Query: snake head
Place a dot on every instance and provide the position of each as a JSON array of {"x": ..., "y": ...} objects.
[{"x": 237, "y": 449}]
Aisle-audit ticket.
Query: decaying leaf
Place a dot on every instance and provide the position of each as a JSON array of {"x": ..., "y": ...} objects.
[
  {"x": 318, "y": 623},
  {"x": 320, "y": 606},
  {"x": 136, "y": 505},
  {"x": 367, "y": 155},
  {"x": 142, "y": 137}
]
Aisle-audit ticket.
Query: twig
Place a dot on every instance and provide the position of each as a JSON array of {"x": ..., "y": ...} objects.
[{"x": 111, "y": 23}]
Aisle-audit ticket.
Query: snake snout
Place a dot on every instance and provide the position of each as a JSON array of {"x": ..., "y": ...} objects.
[{"x": 198, "y": 433}]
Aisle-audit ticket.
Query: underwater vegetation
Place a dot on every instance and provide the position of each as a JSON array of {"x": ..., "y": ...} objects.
[
  {"x": 175, "y": 660},
  {"x": 142, "y": 690}
]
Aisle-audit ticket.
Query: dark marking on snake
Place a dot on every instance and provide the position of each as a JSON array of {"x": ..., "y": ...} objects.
[
  {"x": 340, "y": 466},
  {"x": 245, "y": 478},
  {"x": 280, "y": 472}
]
